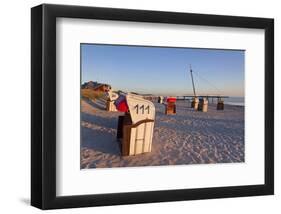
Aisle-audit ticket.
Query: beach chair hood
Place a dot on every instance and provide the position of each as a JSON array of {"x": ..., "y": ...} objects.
[{"x": 139, "y": 108}]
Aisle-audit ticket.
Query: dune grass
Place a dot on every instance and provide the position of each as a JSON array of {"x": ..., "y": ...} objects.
[{"x": 89, "y": 94}]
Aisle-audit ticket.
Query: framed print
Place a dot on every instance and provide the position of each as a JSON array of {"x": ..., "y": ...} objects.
[{"x": 133, "y": 106}]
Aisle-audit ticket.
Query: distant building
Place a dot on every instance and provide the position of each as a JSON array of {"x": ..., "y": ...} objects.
[{"x": 100, "y": 87}]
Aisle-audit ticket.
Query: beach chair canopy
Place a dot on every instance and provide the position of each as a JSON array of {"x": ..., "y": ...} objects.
[
  {"x": 171, "y": 99},
  {"x": 138, "y": 107}
]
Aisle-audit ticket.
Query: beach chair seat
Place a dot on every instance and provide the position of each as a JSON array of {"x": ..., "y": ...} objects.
[
  {"x": 111, "y": 98},
  {"x": 194, "y": 103},
  {"x": 220, "y": 105},
  {"x": 170, "y": 106},
  {"x": 160, "y": 99},
  {"x": 203, "y": 105}
]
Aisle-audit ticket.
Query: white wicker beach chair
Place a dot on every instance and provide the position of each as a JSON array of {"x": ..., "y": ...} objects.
[{"x": 135, "y": 128}]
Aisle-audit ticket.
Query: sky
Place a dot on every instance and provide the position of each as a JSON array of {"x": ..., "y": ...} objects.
[{"x": 164, "y": 71}]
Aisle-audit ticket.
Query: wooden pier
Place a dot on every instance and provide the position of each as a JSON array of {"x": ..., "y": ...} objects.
[{"x": 210, "y": 98}]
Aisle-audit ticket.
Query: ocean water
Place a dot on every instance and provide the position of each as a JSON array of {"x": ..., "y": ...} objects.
[{"x": 238, "y": 101}]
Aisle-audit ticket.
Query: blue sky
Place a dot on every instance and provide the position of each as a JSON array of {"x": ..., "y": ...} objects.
[{"x": 164, "y": 71}]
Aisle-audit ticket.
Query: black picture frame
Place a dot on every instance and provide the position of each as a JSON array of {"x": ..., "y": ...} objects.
[{"x": 43, "y": 106}]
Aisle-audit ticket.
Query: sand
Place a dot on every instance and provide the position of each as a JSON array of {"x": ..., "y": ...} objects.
[{"x": 189, "y": 137}]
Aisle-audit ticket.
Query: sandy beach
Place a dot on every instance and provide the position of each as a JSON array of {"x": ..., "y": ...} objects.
[{"x": 189, "y": 137}]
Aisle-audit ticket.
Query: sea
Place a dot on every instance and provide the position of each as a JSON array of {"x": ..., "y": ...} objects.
[{"x": 238, "y": 101}]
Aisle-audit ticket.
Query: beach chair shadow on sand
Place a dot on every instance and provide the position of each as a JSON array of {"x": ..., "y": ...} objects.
[
  {"x": 99, "y": 134},
  {"x": 105, "y": 122},
  {"x": 98, "y": 104}
]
